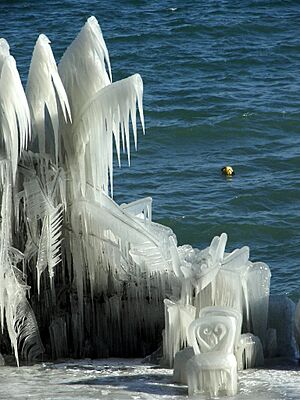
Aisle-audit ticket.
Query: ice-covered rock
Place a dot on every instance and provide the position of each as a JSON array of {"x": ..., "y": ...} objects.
[
  {"x": 271, "y": 343},
  {"x": 281, "y": 318},
  {"x": 297, "y": 323},
  {"x": 249, "y": 352}
]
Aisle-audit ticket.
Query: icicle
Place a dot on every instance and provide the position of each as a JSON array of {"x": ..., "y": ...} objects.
[
  {"x": 43, "y": 89},
  {"x": 112, "y": 105},
  {"x": 15, "y": 116},
  {"x": 20, "y": 321},
  {"x": 82, "y": 67},
  {"x": 54, "y": 239},
  {"x": 4, "y": 52},
  {"x": 178, "y": 317}
]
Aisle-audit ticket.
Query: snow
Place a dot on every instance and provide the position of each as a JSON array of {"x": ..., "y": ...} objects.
[{"x": 132, "y": 380}]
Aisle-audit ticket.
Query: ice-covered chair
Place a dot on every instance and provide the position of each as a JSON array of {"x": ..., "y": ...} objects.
[
  {"x": 213, "y": 368},
  {"x": 181, "y": 357},
  {"x": 225, "y": 312},
  {"x": 250, "y": 352}
]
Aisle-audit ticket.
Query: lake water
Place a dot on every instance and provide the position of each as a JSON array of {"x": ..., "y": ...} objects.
[{"x": 222, "y": 86}]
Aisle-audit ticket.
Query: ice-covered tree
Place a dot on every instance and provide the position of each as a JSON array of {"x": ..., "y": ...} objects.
[{"x": 98, "y": 271}]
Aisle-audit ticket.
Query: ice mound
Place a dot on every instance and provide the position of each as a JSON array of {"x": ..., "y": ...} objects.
[{"x": 249, "y": 352}]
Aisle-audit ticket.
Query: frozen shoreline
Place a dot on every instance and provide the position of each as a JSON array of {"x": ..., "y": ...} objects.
[{"x": 130, "y": 379}]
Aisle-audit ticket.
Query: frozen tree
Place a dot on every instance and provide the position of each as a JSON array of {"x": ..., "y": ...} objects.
[{"x": 90, "y": 262}]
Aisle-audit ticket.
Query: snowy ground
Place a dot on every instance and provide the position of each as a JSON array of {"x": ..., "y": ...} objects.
[{"x": 121, "y": 379}]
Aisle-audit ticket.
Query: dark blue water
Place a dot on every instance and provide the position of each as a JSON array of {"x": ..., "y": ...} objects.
[{"x": 222, "y": 86}]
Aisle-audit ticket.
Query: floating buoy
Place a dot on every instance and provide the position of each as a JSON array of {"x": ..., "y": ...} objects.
[{"x": 227, "y": 171}]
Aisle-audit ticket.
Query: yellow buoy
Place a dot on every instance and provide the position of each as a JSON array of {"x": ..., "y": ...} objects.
[{"x": 227, "y": 171}]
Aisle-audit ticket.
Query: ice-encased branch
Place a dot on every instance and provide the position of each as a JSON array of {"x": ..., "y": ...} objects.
[
  {"x": 83, "y": 65},
  {"x": 14, "y": 110},
  {"x": 44, "y": 88},
  {"x": 105, "y": 116}
]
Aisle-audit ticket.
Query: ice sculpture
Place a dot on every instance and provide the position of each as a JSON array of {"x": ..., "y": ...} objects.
[{"x": 213, "y": 368}]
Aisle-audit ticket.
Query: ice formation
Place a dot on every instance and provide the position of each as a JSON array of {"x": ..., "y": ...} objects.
[
  {"x": 95, "y": 273},
  {"x": 99, "y": 279},
  {"x": 213, "y": 368},
  {"x": 234, "y": 326},
  {"x": 249, "y": 353}
]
